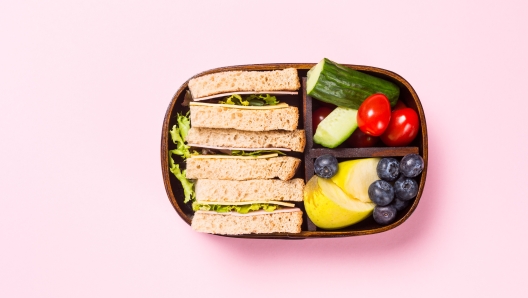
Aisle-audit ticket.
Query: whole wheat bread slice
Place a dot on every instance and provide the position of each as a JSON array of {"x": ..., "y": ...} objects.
[
  {"x": 232, "y": 81},
  {"x": 282, "y": 167},
  {"x": 230, "y": 138},
  {"x": 229, "y": 224},
  {"x": 250, "y": 190},
  {"x": 240, "y": 119}
]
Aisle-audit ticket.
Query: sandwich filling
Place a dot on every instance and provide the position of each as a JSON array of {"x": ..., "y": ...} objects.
[
  {"x": 259, "y": 150},
  {"x": 265, "y": 107},
  {"x": 240, "y": 207},
  {"x": 234, "y": 156},
  {"x": 247, "y": 93},
  {"x": 249, "y": 102},
  {"x": 259, "y": 212}
]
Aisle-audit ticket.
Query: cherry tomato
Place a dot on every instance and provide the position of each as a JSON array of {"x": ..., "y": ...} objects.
[
  {"x": 403, "y": 128},
  {"x": 359, "y": 139},
  {"x": 399, "y": 105},
  {"x": 318, "y": 116},
  {"x": 374, "y": 114}
]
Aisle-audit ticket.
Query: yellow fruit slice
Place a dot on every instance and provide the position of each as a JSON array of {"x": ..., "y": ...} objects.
[
  {"x": 355, "y": 177},
  {"x": 329, "y": 207}
]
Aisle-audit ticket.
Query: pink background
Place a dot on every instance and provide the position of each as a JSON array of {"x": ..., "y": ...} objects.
[{"x": 84, "y": 86}]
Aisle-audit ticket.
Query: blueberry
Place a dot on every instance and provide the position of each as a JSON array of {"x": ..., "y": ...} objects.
[
  {"x": 405, "y": 188},
  {"x": 325, "y": 166},
  {"x": 399, "y": 204},
  {"x": 384, "y": 215},
  {"x": 411, "y": 165},
  {"x": 388, "y": 169},
  {"x": 381, "y": 192}
]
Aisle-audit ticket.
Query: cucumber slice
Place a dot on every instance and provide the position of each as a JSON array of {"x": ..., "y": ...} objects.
[
  {"x": 336, "y": 127},
  {"x": 313, "y": 76}
]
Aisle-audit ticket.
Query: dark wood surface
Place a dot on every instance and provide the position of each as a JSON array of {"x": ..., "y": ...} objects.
[{"x": 306, "y": 104}]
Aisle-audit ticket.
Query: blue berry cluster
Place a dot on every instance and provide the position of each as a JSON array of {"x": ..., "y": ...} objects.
[{"x": 396, "y": 187}]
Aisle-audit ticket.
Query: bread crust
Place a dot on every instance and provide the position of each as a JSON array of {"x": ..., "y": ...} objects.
[
  {"x": 233, "y": 81},
  {"x": 214, "y": 190},
  {"x": 248, "y": 120},
  {"x": 230, "y": 138},
  {"x": 282, "y": 167},
  {"x": 228, "y": 224}
]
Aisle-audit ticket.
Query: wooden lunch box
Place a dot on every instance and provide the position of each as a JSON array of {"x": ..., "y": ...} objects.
[{"x": 306, "y": 104}]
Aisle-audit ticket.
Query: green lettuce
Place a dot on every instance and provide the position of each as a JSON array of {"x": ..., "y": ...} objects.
[
  {"x": 251, "y": 100},
  {"x": 188, "y": 186},
  {"x": 262, "y": 100},
  {"x": 184, "y": 123},
  {"x": 255, "y": 153},
  {"x": 179, "y": 133},
  {"x": 243, "y": 209},
  {"x": 235, "y": 99}
]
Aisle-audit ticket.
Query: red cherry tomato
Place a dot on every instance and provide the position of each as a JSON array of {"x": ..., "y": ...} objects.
[
  {"x": 403, "y": 128},
  {"x": 399, "y": 105},
  {"x": 318, "y": 116},
  {"x": 374, "y": 114},
  {"x": 359, "y": 139}
]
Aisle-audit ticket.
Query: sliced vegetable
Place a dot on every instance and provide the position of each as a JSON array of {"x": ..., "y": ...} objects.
[
  {"x": 345, "y": 87},
  {"x": 336, "y": 128},
  {"x": 319, "y": 115}
]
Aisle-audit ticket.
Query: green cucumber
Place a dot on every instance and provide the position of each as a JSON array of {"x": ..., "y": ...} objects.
[
  {"x": 336, "y": 84},
  {"x": 336, "y": 127}
]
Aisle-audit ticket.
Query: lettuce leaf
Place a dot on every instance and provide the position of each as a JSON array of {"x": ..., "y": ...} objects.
[
  {"x": 179, "y": 133},
  {"x": 243, "y": 209},
  {"x": 251, "y": 100},
  {"x": 235, "y": 99},
  {"x": 184, "y": 123},
  {"x": 255, "y": 153},
  {"x": 188, "y": 186},
  {"x": 265, "y": 99}
]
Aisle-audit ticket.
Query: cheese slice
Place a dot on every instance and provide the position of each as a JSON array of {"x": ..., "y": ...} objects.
[
  {"x": 248, "y": 92},
  {"x": 285, "y": 204},
  {"x": 220, "y": 156},
  {"x": 237, "y": 148},
  {"x": 272, "y": 107}
]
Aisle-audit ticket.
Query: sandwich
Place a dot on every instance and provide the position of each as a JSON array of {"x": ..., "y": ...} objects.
[
  {"x": 236, "y": 143},
  {"x": 247, "y": 207}
]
